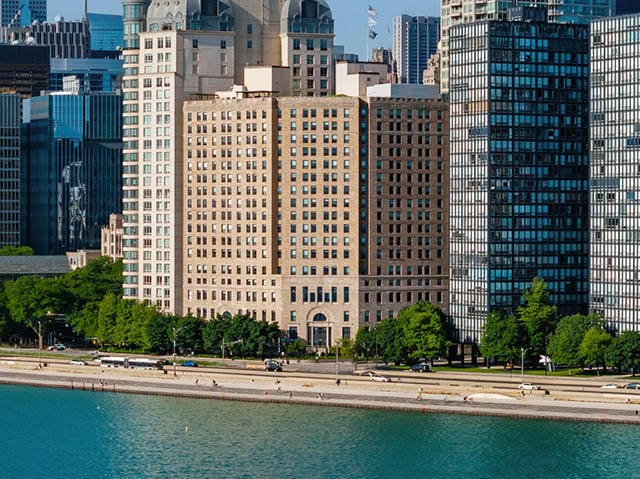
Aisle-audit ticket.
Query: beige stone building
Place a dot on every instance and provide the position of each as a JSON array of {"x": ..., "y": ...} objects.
[
  {"x": 187, "y": 50},
  {"x": 111, "y": 243},
  {"x": 323, "y": 214}
]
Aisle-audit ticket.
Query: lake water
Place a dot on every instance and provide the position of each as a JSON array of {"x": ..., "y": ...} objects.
[{"x": 50, "y": 433}]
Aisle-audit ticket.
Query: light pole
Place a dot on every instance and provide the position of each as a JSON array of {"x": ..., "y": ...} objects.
[
  {"x": 337, "y": 366},
  {"x": 39, "y": 344},
  {"x": 175, "y": 333},
  {"x": 523, "y": 350}
]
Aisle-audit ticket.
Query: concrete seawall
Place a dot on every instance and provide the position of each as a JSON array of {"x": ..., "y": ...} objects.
[{"x": 324, "y": 395}]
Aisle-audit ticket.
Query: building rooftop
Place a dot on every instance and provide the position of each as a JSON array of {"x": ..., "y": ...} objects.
[{"x": 34, "y": 265}]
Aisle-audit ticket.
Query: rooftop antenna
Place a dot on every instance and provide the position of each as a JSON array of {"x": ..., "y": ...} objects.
[{"x": 86, "y": 14}]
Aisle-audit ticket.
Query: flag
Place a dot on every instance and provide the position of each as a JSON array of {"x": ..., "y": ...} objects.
[
  {"x": 372, "y": 22},
  {"x": 372, "y": 11},
  {"x": 372, "y": 34}
]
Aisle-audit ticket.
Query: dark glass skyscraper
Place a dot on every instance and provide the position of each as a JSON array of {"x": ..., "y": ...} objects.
[
  {"x": 106, "y": 31},
  {"x": 72, "y": 169},
  {"x": 519, "y": 95},
  {"x": 9, "y": 169}
]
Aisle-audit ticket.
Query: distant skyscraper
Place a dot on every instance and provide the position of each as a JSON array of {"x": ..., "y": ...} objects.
[
  {"x": 24, "y": 69},
  {"x": 94, "y": 74},
  {"x": 10, "y": 169},
  {"x": 615, "y": 169},
  {"x": 519, "y": 94},
  {"x": 455, "y": 12},
  {"x": 65, "y": 39},
  {"x": 22, "y": 12},
  {"x": 106, "y": 32},
  {"x": 624, "y": 7},
  {"x": 415, "y": 39},
  {"x": 72, "y": 169}
]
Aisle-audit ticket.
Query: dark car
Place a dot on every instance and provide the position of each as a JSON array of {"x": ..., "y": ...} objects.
[
  {"x": 632, "y": 386},
  {"x": 190, "y": 364},
  {"x": 272, "y": 366},
  {"x": 420, "y": 368}
]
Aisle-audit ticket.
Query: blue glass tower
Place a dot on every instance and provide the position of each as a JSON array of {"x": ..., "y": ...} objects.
[
  {"x": 519, "y": 94},
  {"x": 71, "y": 171},
  {"x": 107, "y": 32}
]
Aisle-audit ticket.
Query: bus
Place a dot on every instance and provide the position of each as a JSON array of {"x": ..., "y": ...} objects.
[{"x": 134, "y": 363}]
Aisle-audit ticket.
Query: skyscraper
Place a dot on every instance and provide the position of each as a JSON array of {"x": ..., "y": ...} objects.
[
  {"x": 106, "y": 32},
  {"x": 71, "y": 169},
  {"x": 454, "y": 12},
  {"x": 188, "y": 49},
  {"x": 10, "y": 169},
  {"x": 615, "y": 170},
  {"x": 519, "y": 165},
  {"x": 624, "y": 7},
  {"x": 22, "y": 12},
  {"x": 331, "y": 216},
  {"x": 415, "y": 39}
]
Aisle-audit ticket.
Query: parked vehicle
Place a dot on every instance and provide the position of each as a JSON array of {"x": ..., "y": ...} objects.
[
  {"x": 632, "y": 386},
  {"x": 609, "y": 386},
  {"x": 77, "y": 362},
  {"x": 528, "y": 387},
  {"x": 272, "y": 365},
  {"x": 190, "y": 364},
  {"x": 379, "y": 378},
  {"x": 420, "y": 368}
]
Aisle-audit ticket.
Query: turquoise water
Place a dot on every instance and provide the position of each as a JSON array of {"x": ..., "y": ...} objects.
[{"x": 48, "y": 433}]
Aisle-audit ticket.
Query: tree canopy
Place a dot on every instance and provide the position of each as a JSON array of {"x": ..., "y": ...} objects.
[
  {"x": 502, "y": 338},
  {"x": 538, "y": 315},
  {"x": 564, "y": 344}
]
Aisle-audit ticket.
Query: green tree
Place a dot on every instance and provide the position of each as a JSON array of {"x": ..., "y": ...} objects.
[
  {"x": 16, "y": 251},
  {"x": 213, "y": 332},
  {"x": 593, "y": 348},
  {"x": 107, "y": 319},
  {"x": 160, "y": 333},
  {"x": 296, "y": 348},
  {"x": 564, "y": 344},
  {"x": 538, "y": 315},
  {"x": 365, "y": 343},
  {"x": 502, "y": 337},
  {"x": 624, "y": 352},
  {"x": 390, "y": 336},
  {"x": 425, "y": 331},
  {"x": 189, "y": 336}
]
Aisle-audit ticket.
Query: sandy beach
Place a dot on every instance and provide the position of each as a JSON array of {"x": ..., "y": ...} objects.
[{"x": 432, "y": 393}]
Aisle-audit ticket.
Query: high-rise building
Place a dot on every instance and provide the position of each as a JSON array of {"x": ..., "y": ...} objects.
[
  {"x": 624, "y": 7},
  {"x": 330, "y": 216},
  {"x": 106, "y": 32},
  {"x": 71, "y": 169},
  {"x": 22, "y": 12},
  {"x": 454, "y": 12},
  {"x": 94, "y": 74},
  {"x": 65, "y": 39},
  {"x": 415, "y": 39},
  {"x": 615, "y": 170},
  {"x": 185, "y": 50},
  {"x": 10, "y": 169},
  {"x": 24, "y": 69},
  {"x": 112, "y": 237},
  {"x": 519, "y": 99}
]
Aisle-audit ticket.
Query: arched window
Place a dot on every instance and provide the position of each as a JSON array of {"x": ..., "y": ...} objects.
[{"x": 319, "y": 317}]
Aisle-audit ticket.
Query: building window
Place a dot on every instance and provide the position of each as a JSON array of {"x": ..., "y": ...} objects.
[
  {"x": 195, "y": 43},
  {"x": 346, "y": 333}
]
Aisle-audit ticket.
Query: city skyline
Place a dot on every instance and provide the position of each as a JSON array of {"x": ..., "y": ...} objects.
[{"x": 346, "y": 14}]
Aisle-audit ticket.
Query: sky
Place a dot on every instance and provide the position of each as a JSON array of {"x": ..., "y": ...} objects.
[{"x": 350, "y": 17}]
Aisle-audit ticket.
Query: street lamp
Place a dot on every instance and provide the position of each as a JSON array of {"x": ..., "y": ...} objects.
[
  {"x": 523, "y": 350},
  {"x": 337, "y": 366},
  {"x": 175, "y": 333},
  {"x": 39, "y": 344}
]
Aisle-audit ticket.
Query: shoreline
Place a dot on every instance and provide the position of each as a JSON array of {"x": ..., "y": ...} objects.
[{"x": 320, "y": 392}]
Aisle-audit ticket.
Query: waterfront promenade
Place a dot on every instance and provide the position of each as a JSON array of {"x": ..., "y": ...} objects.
[{"x": 446, "y": 393}]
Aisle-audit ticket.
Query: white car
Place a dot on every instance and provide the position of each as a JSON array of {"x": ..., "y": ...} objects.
[
  {"x": 378, "y": 378},
  {"x": 528, "y": 387},
  {"x": 77, "y": 362},
  {"x": 609, "y": 386}
]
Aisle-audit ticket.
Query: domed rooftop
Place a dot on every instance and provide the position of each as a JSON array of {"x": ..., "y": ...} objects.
[
  {"x": 214, "y": 15},
  {"x": 306, "y": 16}
]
